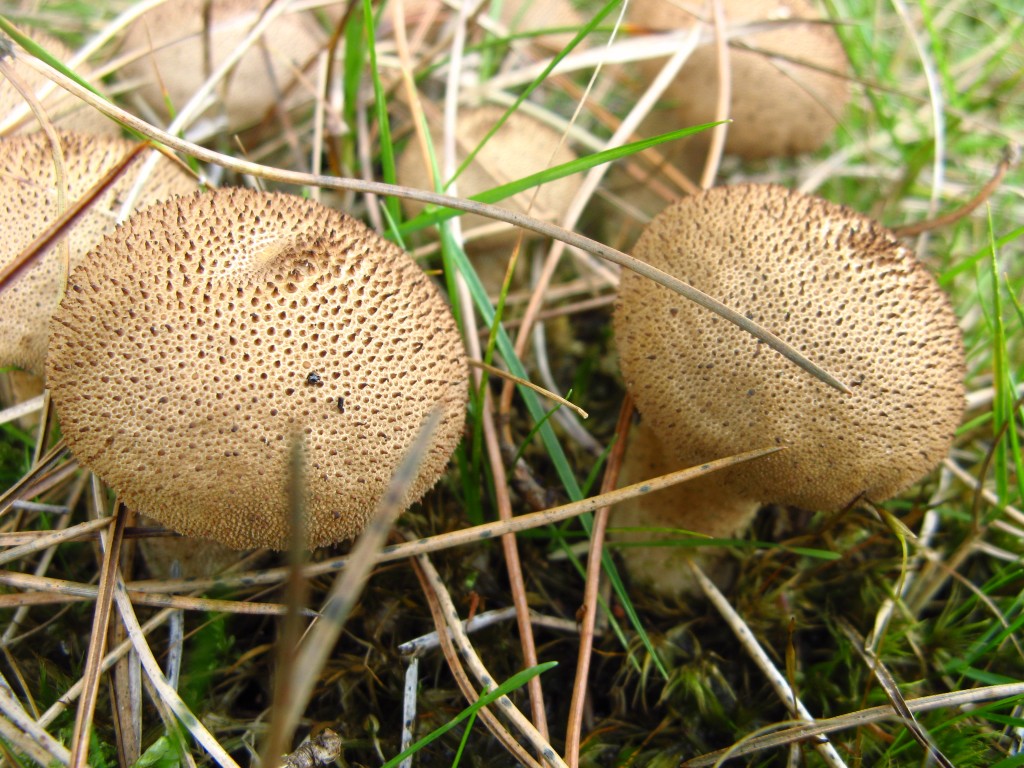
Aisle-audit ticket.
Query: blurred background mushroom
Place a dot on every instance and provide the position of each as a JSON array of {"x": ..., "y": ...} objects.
[
  {"x": 30, "y": 202},
  {"x": 217, "y": 329},
  {"x": 521, "y": 147},
  {"x": 63, "y": 109},
  {"x": 176, "y": 46},
  {"x": 788, "y": 77},
  {"x": 849, "y": 296}
]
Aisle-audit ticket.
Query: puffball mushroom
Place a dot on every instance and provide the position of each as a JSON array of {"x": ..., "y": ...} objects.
[
  {"x": 179, "y": 44},
  {"x": 206, "y": 333},
  {"x": 842, "y": 290},
  {"x": 787, "y": 83},
  {"x": 29, "y": 203}
]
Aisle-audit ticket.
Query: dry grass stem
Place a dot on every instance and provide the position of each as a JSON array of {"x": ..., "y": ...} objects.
[
  {"x": 98, "y": 641},
  {"x": 429, "y": 641},
  {"x": 592, "y": 586},
  {"x": 803, "y": 732},
  {"x": 50, "y": 591},
  {"x": 892, "y": 691},
  {"x": 451, "y": 655},
  {"x": 517, "y": 584},
  {"x": 167, "y": 695},
  {"x": 524, "y": 382},
  {"x": 509, "y": 711}
]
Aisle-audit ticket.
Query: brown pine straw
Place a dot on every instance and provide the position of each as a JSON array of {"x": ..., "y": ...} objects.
[
  {"x": 50, "y": 591},
  {"x": 592, "y": 586},
  {"x": 511, "y": 551},
  {"x": 98, "y": 639}
]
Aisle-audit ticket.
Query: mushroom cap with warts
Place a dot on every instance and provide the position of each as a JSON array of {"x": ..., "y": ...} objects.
[
  {"x": 29, "y": 203},
  {"x": 203, "y": 336},
  {"x": 788, "y": 82},
  {"x": 177, "y": 47},
  {"x": 844, "y": 292}
]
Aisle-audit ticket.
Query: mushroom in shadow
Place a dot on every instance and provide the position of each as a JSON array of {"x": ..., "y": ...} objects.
[{"x": 29, "y": 203}]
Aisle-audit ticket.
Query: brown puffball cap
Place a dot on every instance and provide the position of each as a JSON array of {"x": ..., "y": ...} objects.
[
  {"x": 171, "y": 43},
  {"x": 838, "y": 287},
  {"x": 61, "y": 107},
  {"x": 29, "y": 203},
  {"x": 785, "y": 101},
  {"x": 203, "y": 335},
  {"x": 521, "y": 147}
]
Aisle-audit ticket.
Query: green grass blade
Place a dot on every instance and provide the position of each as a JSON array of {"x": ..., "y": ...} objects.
[
  {"x": 387, "y": 149},
  {"x": 515, "y": 682},
  {"x": 554, "y": 173}
]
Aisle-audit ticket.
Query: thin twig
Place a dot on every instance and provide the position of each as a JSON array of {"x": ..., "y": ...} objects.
[
  {"x": 526, "y": 383},
  {"x": 510, "y": 549},
  {"x": 592, "y": 587},
  {"x": 1010, "y": 158},
  {"x": 471, "y": 695},
  {"x": 504, "y": 704}
]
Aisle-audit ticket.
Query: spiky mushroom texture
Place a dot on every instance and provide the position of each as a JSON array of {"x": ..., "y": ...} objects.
[
  {"x": 29, "y": 203},
  {"x": 841, "y": 289},
  {"x": 203, "y": 335},
  {"x": 788, "y": 82},
  {"x": 61, "y": 107},
  {"x": 178, "y": 45}
]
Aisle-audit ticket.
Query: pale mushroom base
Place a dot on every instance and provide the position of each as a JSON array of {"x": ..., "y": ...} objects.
[{"x": 706, "y": 506}]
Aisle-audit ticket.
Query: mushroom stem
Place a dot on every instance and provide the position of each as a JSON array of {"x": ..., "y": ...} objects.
[{"x": 651, "y": 525}]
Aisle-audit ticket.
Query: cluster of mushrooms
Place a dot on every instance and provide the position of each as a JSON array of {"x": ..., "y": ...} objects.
[{"x": 189, "y": 338}]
